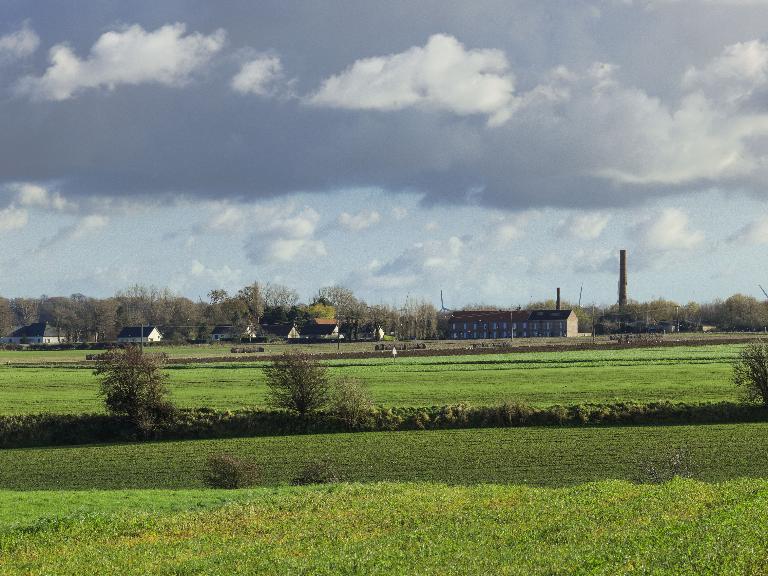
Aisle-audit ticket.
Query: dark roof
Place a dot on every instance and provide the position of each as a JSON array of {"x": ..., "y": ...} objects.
[
  {"x": 318, "y": 329},
  {"x": 135, "y": 331},
  {"x": 281, "y": 330},
  {"x": 222, "y": 329},
  {"x": 36, "y": 330},
  {"x": 550, "y": 315},
  {"x": 502, "y": 315}
]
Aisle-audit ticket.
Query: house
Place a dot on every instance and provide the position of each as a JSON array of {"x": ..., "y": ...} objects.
[
  {"x": 553, "y": 323},
  {"x": 139, "y": 334},
  {"x": 371, "y": 332},
  {"x": 321, "y": 329},
  {"x": 224, "y": 332},
  {"x": 287, "y": 331},
  {"x": 476, "y": 324},
  {"x": 37, "y": 333}
]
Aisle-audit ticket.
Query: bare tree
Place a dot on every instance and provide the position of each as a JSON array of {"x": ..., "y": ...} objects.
[
  {"x": 297, "y": 382},
  {"x": 134, "y": 386},
  {"x": 750, "y": 371}
]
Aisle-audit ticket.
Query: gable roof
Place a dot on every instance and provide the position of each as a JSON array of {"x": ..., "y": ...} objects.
[
  {"x": 222, "y": 329},
  {"x": 36, "y": 330},
  {"x": 136, "y": 331},
  {"x": 318, "y": 329},
  {"x": 280, "y": 330},
  {"x": 550, "y": 315}
]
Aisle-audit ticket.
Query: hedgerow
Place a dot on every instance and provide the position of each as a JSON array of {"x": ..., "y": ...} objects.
[{"x": 57, "y": 429}]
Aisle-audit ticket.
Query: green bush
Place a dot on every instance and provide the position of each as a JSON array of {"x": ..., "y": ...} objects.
[
  {"x": 316, "y": 472},
  {"x": 227, "y": 471},
  {"x": 350, "y": 402}
]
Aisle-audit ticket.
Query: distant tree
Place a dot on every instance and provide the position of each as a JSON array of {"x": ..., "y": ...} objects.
[
  {"x": 750, "y": 371},
  {"x": 321, "y": 310},
  {"x": 134, "y": 386},
  {"x": 297, "y": 382}
]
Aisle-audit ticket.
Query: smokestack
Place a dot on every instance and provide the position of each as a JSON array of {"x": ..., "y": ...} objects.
[
  {"x": 622, "y": 277},
  {"x": 557, "y": 306}
]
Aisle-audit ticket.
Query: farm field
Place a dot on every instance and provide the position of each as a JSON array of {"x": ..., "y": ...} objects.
[
  {"x": 538, "y": 456},
  {"x": 684, "y": 374},
  {"x": 682, "y": 527}
]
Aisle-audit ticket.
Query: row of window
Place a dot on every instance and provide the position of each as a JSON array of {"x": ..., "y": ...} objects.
[
  {"x": 504, "y": 334},
  {"x": 515, "y": 325}
]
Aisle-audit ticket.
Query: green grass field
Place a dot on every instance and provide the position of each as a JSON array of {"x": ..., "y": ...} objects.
[
  {"x": 682, "y": 527},
  {"x": 540, "y": 456},
  {"x": 684, "y": 374}
]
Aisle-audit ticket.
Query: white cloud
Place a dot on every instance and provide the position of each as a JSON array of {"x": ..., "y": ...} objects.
[
  {"x": 399, "y": 213},
  {"x": 130, "y": 56},
  {"x": 755, "y": 232},
  {"x": 360, "y": 221},
  {"x": 584, "y": 226},
  {"x": 228, "y": 219},
  {"x": 13, "y": 218},
  {"x": 442, "y": 75},
  {"x": 223, "y": 277},
  {"x": 86, "y": 226},
  {"x": 670, "y": 230},
  {"x": 33, "y": 195},
  {"x": 19, "y": 44},
  {"x": 258, "y": 76},
  {"x": 284, "y": 234},
  {"x": 734, "y": 74}
]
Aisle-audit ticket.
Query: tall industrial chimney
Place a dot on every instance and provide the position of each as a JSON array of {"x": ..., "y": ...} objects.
[
  {"x": 622, "y": 277},
  {"x": 557, "y": 305}
]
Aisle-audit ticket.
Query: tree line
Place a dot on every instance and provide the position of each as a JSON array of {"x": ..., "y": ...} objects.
[
  {"x": 88, "y": 319},
  {"x": 83, "y": 318}
]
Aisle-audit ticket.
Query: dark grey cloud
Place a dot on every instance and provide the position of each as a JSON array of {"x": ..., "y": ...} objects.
[{"x": 578, "y": 139}]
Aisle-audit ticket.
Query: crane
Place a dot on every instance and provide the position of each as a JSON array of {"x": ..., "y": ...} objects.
[
  {"x": 442, "y": 304},
  {"x": 763, "y": 289}
]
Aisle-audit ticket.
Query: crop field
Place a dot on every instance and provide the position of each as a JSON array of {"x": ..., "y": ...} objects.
[
  {"x": 540, "y": 456},
  {"x": 684, "y": 374},
  {"x": 682, "y": 527}
]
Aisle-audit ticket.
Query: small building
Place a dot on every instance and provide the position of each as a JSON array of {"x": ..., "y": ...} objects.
[
  {"x": 225, "y": 332},
  {"x": 371, "y": 332},
  {"x": 321, "y": 329},
  {"x": 37, "y": 333},
  {"x": 139, "y": 334},
  {"x": 286, "y": 331}
]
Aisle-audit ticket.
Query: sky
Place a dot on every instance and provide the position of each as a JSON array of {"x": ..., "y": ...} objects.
[{"x": 494, "y": 150}]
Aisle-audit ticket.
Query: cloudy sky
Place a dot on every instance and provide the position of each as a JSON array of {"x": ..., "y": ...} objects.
[{"x": 491, "y": 149}]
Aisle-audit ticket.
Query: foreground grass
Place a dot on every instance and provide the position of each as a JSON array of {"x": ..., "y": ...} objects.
[
  {"x": 685, "y": 374},
  {"x": 682, "y": 527},
  {"x": 539, "y": 456}
]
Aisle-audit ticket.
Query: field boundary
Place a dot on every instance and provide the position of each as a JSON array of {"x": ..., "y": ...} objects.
[{"x": 187, "y": 424}]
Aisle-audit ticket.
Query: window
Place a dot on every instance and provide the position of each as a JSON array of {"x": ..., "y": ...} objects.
[{"x": 454, "y": 326}]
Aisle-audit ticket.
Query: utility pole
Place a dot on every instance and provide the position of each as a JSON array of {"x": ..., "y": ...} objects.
[{"x": 593, "y": 323}]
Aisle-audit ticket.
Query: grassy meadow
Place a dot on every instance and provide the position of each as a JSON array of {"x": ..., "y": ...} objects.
[
  {"x": 681, "y": 374},
  {"x": 681, "y": 527},
  {"x": 538, "y": 456}
]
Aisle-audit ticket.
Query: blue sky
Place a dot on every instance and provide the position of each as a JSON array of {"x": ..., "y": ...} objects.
[{"x": 492, "y": 150}]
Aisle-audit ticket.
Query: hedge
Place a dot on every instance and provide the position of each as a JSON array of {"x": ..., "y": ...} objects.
[{"x": 58, "y": 429}]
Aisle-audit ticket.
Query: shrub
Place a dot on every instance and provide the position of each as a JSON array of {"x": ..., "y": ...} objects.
[
  {"x": 676, "y": 464},
  {"x": 297, "y": 382},
  {"x": 227, "y": 471},
  {"x": 750, "y": 371},
  {"x": 316, "y": 472},
  {"x": 350, "y": 402},
  {"x": 134, "y": 386}
]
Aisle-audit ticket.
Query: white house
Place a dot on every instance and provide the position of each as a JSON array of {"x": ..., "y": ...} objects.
[
  {"x": 37, "y": 333},
  {"x": 225, "y": 332},
  {"x": 138, "y": 334}
]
